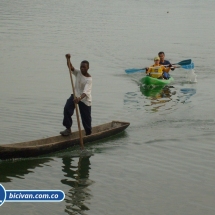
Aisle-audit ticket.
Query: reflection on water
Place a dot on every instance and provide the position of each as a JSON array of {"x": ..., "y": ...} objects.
[
  {"x": 156, "y": 92},
  {"x": 187, "y": 93},
  {"x": 77, "y": 178},
  {"x": 19, "y": 168},
  {"x": 154, "y": 97},
  {"x": 158, "y": 96}
]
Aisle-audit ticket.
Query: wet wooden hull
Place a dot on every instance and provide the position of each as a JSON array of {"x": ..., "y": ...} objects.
[{"x": 56, "y": 143}]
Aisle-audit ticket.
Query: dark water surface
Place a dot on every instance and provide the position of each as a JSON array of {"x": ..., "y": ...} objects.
[{"x": 163, "y": 163}]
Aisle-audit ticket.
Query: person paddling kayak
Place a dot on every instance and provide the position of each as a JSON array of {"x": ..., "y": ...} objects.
[
  {"x": 157, "y": 70},
  {"x": 164, "y": 62}
]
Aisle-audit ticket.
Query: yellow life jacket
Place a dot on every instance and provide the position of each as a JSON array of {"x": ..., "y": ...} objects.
[{"x": 156, "y": 71}]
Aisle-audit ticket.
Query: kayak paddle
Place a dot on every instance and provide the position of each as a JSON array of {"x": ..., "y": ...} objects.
[
  {"x": 190, "y": 66},
  {"x": 181, "y": 63},
  {"x": 128, "y": 71}
]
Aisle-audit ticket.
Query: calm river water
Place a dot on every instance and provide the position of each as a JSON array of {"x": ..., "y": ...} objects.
[{"x": 163, "y": 163}]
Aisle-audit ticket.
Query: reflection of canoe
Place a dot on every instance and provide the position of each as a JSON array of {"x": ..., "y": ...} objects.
[
  {"x": 147, "y": 80},
  {"x": 20, "y": 168},
  {"x": 51, "y": 144}
]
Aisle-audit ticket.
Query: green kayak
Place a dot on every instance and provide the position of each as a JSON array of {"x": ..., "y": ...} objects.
[{"x": 147, "y": 80}]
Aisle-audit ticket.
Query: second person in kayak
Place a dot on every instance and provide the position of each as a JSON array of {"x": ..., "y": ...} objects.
[
  {"x": 156, "y": 70},
  {"x": 164, "y": 62}
]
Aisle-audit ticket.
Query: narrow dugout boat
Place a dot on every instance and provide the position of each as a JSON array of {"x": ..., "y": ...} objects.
[{"x": 56, "y": 143}]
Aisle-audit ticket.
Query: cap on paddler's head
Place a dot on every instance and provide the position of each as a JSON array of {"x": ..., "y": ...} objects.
[{"x": 156, "y": 58}]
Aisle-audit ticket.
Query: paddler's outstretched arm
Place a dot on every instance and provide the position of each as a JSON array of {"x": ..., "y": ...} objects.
[
  {"x": 148, "y": 69},
  {"x": 166, "y": 69},
  {"x": 69, "y": 63}
]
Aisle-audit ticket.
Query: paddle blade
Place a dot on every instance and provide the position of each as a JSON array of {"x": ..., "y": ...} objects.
[
  {"x": 129, "y": 71},
  {"x": 185, "y": 62},
  {"x": 190, "y": 66}
]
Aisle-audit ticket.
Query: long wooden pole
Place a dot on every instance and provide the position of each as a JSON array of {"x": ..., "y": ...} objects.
[{"x": 76, "y": 107}]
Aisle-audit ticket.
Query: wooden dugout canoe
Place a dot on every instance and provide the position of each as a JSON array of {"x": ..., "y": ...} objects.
[{"x": 56, "y": 143}]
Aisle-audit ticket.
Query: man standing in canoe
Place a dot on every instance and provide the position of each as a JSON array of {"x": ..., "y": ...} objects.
[
  {"x": 83, "y": 87},
  {"x": 164, "y": 62}
]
